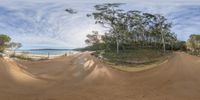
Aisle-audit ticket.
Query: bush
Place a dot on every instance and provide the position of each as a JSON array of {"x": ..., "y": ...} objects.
[{"x": 22, "y": 57}]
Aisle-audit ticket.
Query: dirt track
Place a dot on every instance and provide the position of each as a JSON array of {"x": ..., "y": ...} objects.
[{"x": 82, "y": 77}]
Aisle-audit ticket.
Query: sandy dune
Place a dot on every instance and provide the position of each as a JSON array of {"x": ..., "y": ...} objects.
[{"x": 82, "y": 77}]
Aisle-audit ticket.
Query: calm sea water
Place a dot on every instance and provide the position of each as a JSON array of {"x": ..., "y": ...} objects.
[{"x": 46, "y": 52}]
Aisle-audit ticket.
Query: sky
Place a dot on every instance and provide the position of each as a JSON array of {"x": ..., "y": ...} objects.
[{"x": 41, "y": 24}]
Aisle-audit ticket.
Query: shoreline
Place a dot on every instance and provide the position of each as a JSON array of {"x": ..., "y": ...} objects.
[{"x": 35, "y": 57}]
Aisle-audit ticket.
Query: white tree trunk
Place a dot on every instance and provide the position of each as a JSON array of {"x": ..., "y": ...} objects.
[
  {"x": 163, "y": 41},
  {"x": 117, "y": 46}
]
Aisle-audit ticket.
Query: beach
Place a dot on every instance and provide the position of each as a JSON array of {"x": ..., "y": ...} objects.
[
  {"x": 82, "y": 77},
  {"x": 41, "y": 54}
]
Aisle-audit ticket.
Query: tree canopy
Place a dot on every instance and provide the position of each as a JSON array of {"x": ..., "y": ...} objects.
[
  {"x": 4, "y": 39},
  {"x": 14, "y": 46},
  {"x": 93, "y": 39},
  {"x": 132, "y": 28}
]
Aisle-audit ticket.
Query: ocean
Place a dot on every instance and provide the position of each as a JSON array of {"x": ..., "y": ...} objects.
[{"x": 48, "y": 51}]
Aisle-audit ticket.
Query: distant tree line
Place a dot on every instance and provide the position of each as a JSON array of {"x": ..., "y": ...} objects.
[{"x": 130, "y": 29}]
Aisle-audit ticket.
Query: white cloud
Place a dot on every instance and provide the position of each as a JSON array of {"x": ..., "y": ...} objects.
[{"x": 45, "y": 23}]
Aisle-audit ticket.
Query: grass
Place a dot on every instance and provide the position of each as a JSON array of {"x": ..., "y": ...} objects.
[
  {"x": 136, "y": 56},
  {"x": 135, "y": 60},
  {"x": 140, "y": 67}
]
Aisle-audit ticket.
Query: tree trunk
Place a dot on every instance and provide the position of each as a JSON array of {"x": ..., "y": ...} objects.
[
  {"x": 117, "y": 46},
  {"x": 163, "y": 41},
  {"x": 172, "y": 46}
]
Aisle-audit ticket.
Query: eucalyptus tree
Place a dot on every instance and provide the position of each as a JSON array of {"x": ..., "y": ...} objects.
[
  {"x": 131, "y": 23},
  {"x": 135, "y": 26},
  {"x": 148, "y": 24},
  {"x": 163, "y": 28},
  {"x": 172, "y": 39},
  {"x": 108, "y": 15},
  {"x": 122, "y": 28},
  {"x": 93, "y": 39},
  {"x": 132, "y": 27}
]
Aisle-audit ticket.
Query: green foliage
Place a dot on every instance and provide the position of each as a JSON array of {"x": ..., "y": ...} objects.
[
  {"x": 4, "y": 39},
  {"x": 132, "y": 28},
  {"x": 133, "y": 56},
  {"x": 196, "y": 36},
  {"x": 180, "y": 45},
  {"x": 193, "y": 44},
  {"x": 14, "y": 46},
  {"x": 93, "y": 39}
]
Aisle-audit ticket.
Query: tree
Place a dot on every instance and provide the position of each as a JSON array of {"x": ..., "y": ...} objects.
[
  {"x": 93, "y": 39},
  {"x": 193, "y": 43},
  {"x": 108, "y": 16},
  {"x": 180, "y": 45},
  {"x": 127, "y": 29},
  {"x": 14, "y": 46},
  {"x": 163, "y": 28},
  {"x": 4, "y": 39}
]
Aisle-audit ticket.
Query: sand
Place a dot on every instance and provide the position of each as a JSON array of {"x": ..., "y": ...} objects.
[{"x": 83, "y": 77}]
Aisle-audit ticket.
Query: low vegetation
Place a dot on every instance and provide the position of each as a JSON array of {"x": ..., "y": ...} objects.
[
  {"x": 22, "y": 57},
  {"x": 134, "y": 57},
  {"x": 193, "y": 44}
]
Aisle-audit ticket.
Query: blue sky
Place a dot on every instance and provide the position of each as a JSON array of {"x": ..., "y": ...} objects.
[{"x": 45, "y": 24}]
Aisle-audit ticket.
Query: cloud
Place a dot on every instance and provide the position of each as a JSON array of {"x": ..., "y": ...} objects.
[{"x": 44, "y": 23}]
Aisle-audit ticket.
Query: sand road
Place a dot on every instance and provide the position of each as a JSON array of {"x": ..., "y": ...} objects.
[{"x": 82, "y": 77}]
